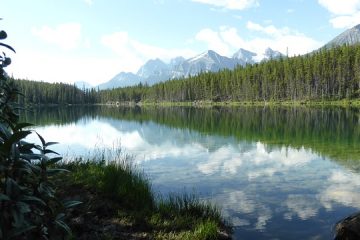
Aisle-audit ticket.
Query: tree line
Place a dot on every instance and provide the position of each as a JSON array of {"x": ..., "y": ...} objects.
[
  {"x": 35, "y": 92},
  {"x": 327, "y": 74}
]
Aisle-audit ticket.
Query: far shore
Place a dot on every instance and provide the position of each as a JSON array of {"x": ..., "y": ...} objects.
[
  {"x": 310, "y": 103},
  {"x": 296, "y": 103}
]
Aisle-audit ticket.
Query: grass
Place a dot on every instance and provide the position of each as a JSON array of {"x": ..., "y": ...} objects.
[{"x": 134, "y": 202}]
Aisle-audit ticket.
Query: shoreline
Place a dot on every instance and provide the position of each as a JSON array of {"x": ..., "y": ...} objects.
[
  {"x": 315, "y": 103},
  {"x": 118, "y": 200},
  {"x": 303, "y": 103}
]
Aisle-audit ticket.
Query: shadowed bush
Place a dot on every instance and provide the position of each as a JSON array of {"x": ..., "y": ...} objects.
[{"x": 29, "y": 205}]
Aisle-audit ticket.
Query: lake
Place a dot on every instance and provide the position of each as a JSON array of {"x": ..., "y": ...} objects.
[{"x": 276, "y": 172}]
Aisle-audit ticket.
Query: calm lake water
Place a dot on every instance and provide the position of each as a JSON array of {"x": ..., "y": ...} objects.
[{"x": 276, "y": 173}]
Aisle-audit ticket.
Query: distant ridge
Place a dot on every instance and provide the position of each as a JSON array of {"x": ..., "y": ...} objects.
[
  {"x": 156, "y": 70},
  {"x": 348, "y": 37}
]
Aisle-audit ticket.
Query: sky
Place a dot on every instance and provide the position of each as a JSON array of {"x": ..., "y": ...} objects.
[{"x": 93, "y": 40}]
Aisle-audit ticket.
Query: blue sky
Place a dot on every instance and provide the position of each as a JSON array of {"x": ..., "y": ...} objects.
[{"x": 93, "y": 40}]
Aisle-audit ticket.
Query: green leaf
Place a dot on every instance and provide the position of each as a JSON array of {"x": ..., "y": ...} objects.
[
  {"x": 12, "y": 187},
  {"x": 16, "y": 137},
  {"x": 41, "y": 139},
  {"x": 7, "y": 46},
  {"x": 3, "y": 35},
  {"x": 32, "y": 156},
  {"x": 23, "y": 207},
  {"x": 46, "y": 189},
  {"x": 47, "y": 151},
  {"x": 37, "y": 147},
  {"x": 22, "y": 125},
  {"x": 17, "y": 232},
  {"x": 36, "y": 169},
  {"x": 27, "y": 198},
  {"x": 60, "y": 216},
  {"x": 63, "y": 225},
  {"x": 70, "y": 204},
  {"x": 3, "y": 197},
  {"x": 56, "y": 170},
  {"x": 26, "y": 147},
  {"x": 18, "y": 218},
  {"x": 55, "y": 160},
  {"x": 50, "y": 143},
  {"x": 4, "y": 132},
  {"x": 24, "y": 166}
]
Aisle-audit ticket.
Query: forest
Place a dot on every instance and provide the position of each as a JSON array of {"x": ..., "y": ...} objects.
[
  {"x": 35, "y": 92},
  {"x": 327, "y": 74}
]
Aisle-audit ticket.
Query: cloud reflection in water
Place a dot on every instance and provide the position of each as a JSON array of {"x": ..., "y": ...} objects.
[{"x": 257, "y": 186}]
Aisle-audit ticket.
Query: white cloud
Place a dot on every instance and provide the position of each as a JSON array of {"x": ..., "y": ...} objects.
[
  {"x": 89, "y": 2},
  {"x": 290, "y": 10},
  {"x": 227, "y": 40},
  {"x": 269, "y": 30},
  {"x": 120, "y": 44},
  {"x": 346, "y": 21},
  {"x": 282, "y": 39},
  {"x": 67, "y": 36},
  {"x": 128, "y": 55},
  {"x": 302, "y": 205},
  {"x": 35, "y": 65},
  {"x": 340, "y": 7},
  {"x": 228, "y": 160},
  {"x": 238, "y": 17},
  {"x": 257, "y": 214},
  {"x": 213, "y": 40},
  {"x": 231, "y": 4},
  {"x": 343, "y": 188},
  {"x": 225, "y": 158},
  {"x": 134, "y": 51},
  {"x": 346, "y": 14}
]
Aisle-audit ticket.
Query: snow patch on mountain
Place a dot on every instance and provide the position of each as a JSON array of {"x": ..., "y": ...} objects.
[{"x": 156, "y": 70}]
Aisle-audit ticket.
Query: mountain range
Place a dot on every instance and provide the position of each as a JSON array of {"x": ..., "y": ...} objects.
[
  {"x": 348, "y": 37},
  {"x": 156, "y": 70}
]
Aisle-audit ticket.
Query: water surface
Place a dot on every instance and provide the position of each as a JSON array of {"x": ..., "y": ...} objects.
[{"x": 277, "y": 173}]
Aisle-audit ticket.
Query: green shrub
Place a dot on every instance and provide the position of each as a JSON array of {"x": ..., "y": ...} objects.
[{"x": 29, "y": 208}]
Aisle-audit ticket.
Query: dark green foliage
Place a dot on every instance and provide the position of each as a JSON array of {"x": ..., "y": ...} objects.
[
  {"x": 29, "y": 208},
  {"x": 53, "y": 93},
  {"x": 331, "y": 74}
]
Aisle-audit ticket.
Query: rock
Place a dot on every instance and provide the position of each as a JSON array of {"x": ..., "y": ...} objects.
[
  {"x": 223, "y": 235},
  {"x": 348, "y": 228}
]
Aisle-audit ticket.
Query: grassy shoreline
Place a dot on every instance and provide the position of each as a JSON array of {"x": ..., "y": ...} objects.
[{"x": 118, "y": 195}]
